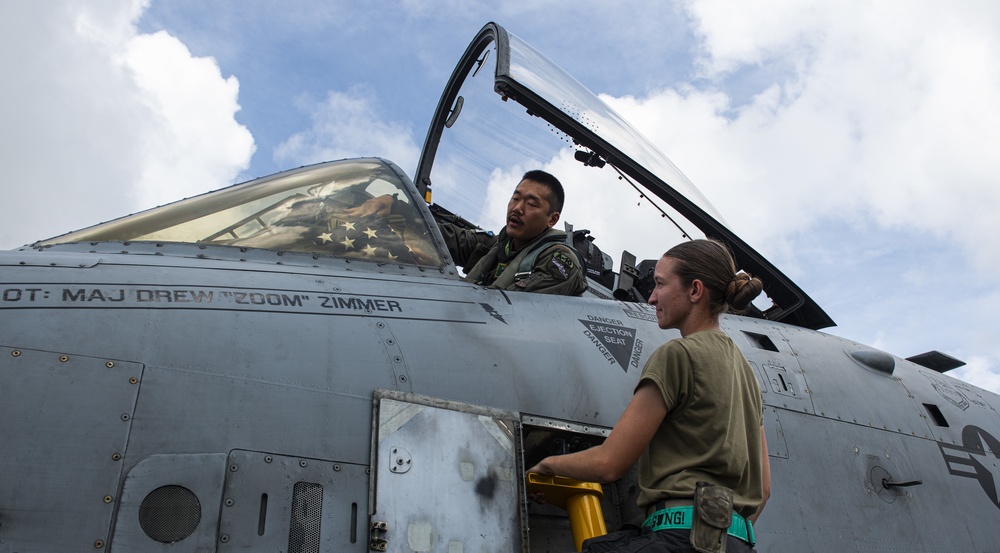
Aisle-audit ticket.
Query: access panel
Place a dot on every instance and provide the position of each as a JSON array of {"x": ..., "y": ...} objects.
[{"x": 446, "y": 477}]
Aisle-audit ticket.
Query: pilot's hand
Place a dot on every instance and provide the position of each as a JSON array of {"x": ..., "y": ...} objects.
[{"x": 380, "y": 206}]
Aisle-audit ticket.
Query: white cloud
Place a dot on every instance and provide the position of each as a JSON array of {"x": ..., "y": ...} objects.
[
  {"x": 979, "y": 371},
  {"x": 872, "y": 119},
  {"x": 196, "y": 145},
  {"x": 890, "y": 109},
  {"x": 345, "y": 125},
  {"x": 100, "y": 121}
]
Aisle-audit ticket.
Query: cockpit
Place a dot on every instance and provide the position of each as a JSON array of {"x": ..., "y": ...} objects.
[{"x": 309, "y": 211}]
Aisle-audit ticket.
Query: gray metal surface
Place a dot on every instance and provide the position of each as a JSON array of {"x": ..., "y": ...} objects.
[
  {"x": 432, "y": 458},
  {"x": 65, "y": 420},
  {"x": 200, "y": 474},
  {"x": 281, "y": 503}
]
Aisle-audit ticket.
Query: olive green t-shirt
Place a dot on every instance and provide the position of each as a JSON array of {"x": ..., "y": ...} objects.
[{"x": 712, "y": 428}]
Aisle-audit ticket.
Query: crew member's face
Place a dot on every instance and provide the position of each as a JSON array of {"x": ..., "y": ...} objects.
[
  {"x": 528, "y": 212},
  {"x": 670, "y": 296}
]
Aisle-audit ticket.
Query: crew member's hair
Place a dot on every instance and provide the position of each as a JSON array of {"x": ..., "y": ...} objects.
[
  {"x": 556, "y": 194},
  {"x": 711, "y": 262}
]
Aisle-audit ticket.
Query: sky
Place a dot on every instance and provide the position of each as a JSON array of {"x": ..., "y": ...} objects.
[{"x": 852, "y": 143}]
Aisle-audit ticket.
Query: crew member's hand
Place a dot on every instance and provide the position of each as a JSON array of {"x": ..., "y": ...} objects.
[
  {"x": 539, "y": 497},
  {"x": 380, "y": 206},
  {"x": 541, "y": 468}
]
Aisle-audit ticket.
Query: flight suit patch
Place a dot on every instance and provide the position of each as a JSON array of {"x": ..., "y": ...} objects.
[{"x": 560, "y": 264}]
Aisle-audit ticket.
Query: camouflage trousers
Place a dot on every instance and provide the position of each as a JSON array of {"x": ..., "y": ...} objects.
[{"x": 646, "y": 541}]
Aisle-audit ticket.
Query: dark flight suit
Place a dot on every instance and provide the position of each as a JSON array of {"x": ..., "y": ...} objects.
[{"x": 490, "y": 260}]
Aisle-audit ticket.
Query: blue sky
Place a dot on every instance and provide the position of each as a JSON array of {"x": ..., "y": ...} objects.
[{"x": 853, "y": 144}]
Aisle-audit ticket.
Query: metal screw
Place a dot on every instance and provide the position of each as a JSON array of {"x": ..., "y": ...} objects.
[
  {"x": 224, "y": 538},
  {"x": 125, "y": 416},
  {"x": 116, "y": 457},
  {"x": 98, "y": 544},
  {"x": 303, "y": 464},
  {"x": 402, "y": 378},
  {"x": 229, "y": 503},
  {"x": 233, "y": 468},
  {"x": 267, "y": 459},
  {"x": 336, "y": 468},
  {"x": 110, "y": 364},
  {"x": 133, "y": 380},
  {"x": 63, "y": 358},
  {"x": 108, "y": 499},
  {"x": 15, "y": 353}
]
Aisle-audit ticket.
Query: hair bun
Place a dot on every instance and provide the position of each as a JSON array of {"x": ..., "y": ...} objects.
[{"x": 742, "y": 290}]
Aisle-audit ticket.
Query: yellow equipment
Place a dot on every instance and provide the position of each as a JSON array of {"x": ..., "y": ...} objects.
[{"x": 582, "y": 501}]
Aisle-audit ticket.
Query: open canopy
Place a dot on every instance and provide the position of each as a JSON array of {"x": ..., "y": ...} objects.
[{"x": 508, "y": 109}]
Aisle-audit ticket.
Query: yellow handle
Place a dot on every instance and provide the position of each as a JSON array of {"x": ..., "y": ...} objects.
[{"x": 582, "y": 501}]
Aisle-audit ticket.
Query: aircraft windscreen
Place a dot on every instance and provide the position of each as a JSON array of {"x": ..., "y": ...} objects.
[
  {"x": 312, "y": 210},
  {"x": 492, "y": 142}
]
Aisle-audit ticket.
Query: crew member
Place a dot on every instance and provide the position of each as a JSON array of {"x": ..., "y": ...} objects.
[{"x": 695, "y": 421}]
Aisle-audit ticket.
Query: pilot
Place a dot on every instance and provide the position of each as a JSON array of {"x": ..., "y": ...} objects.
[
  {"x": 695, "y": 421},
  {"x": 527, "y": 255}
]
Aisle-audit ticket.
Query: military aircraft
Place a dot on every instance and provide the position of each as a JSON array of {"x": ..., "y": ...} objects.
[{"x": 254, "y": 369}]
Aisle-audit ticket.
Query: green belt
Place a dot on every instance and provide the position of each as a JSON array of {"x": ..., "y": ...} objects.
[{"x": 680, "y": 518}]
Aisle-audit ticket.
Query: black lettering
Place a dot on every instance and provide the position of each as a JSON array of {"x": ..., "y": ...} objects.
[
  {"x": 13, "y": 294},
  {"x": 356, "y": 304},
  {"x": 273, "y": 299},
  {"x": 163, "y": 295},
  {"x": 121, "y": 296},
  {"x": 202, "y": 296},
  {"x": 181, "y": 296},
  {"x": 79, "y": 295},
  {"x": 295, "y": 300},
  {"x": 604, "y": 320},
  {"x": 95, "y": 295},
  {"x": 241, "y": 298},
  {"x": 637, "y": 354}
]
